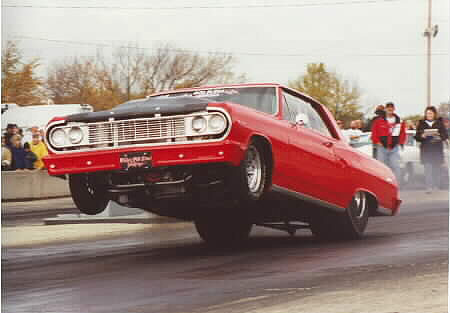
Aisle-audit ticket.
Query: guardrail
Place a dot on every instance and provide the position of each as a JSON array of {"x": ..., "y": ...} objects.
[{"x": 27, "y": 185}]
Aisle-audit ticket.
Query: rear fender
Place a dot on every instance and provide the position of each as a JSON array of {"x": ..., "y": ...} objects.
[{"x": 374, "y": 204}]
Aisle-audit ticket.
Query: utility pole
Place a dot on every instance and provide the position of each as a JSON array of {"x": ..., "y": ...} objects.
[
  {"x": 429, "y": 54},
  {"x": 430, "y": 32}
]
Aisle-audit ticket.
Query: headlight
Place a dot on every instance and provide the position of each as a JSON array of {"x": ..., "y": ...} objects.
[
  {"x": 58, "y": 137},
  {"x": 217, "y": 123},
  {"x": 75, "y": 135},
  {"x": 199, "y": 123}
]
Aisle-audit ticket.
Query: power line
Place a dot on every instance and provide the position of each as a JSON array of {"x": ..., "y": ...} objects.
[
  {"x": 262, "y": 54},
  {"x": 250, "y": 6}
]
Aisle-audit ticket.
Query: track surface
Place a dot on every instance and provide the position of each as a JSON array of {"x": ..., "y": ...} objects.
[{"x": 168, "y": 269}]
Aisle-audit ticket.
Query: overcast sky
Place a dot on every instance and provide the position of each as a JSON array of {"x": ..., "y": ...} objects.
[{"x": 377, "y": 43}]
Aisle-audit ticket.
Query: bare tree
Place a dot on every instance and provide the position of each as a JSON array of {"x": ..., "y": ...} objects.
[
  {"x": 85, "y": 80},
  {"x": 72, "y": 81},
  {"x": 170, "y": 68},
  {"x": 128, "y": 65},
  {"x": 132, "y": 73}
]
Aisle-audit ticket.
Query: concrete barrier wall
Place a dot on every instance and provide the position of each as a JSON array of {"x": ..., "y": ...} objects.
[{"x": 18, "y": 185}]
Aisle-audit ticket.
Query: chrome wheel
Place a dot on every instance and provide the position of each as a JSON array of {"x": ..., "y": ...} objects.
[
  {"x": 253, "y": 169},
  {"x": 360, "y": 204},
  {"x": 349, "y": 225}
]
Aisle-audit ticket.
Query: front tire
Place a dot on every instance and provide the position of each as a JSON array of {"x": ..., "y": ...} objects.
[
  {"x": 343, "y": 226},
  {"x": 88, "y": 194},
  {"x": 251, "y": 179}
]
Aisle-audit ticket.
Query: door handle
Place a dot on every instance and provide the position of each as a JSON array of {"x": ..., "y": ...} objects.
[{"x": 328, "y": 144}]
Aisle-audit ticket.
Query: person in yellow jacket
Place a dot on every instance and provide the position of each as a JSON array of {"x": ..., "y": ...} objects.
[{"x": 39, "y": 148}]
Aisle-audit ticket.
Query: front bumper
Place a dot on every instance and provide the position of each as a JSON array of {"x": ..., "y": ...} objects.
[{"x": 106, "y": 160}]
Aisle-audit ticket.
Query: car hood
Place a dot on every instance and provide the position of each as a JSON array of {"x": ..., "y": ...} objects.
[{"x": 144, "y": 108}]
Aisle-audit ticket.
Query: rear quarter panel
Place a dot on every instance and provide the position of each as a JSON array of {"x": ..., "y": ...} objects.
[{"x": 375, "y": 178}]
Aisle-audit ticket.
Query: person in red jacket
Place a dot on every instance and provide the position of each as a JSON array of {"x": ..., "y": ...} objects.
[{"x": 389, "y": 133}]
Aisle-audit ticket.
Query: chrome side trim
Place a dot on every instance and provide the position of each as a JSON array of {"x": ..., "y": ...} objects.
[
  {"x": 129, "y": 186},
  {"x": 307, "y": 198},
  {"x": 209, "y": 109}
]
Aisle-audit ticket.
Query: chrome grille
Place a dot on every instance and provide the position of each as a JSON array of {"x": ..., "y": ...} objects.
[{"x": 128, "y": 131}]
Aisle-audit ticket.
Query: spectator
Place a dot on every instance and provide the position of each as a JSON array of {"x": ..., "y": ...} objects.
[
  {"x": 359, "y": 125},
  {"x": 11, "y": 130},
  {"x": 410, "y": 125},
  {"x": 416, "y": 124},
  {"x": 340, "y": 124},
  {"x": 388, "y": 133},
  {"x": 379, "y": 113},
  {"x": 431, "y": 133},
  {"x": 353, "y": 133},
  {"x": 30, "y": 157},
  {"x": 39, "y": 149},
  {"x": 6, "y": 156},
  {"x": 447, "y": 125},
  {"x": 42, "y": 133},
  {"x": 18, "y": 153},
  {"x": 28, "y": 137},
  {"x": 343, "y": 131}
]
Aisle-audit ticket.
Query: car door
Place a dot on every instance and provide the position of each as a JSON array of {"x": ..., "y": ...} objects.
[{"x": 314, "y": 168}]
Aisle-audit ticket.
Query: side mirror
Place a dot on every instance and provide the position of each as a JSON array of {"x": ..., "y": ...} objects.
[{"x": 301, "y": 119}]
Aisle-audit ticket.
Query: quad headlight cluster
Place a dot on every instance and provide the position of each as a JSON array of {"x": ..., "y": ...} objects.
[
  {"x": 61, "y": 137},
  {"x": 154, "y": 130},
  {"x": 214, "y": 123}
]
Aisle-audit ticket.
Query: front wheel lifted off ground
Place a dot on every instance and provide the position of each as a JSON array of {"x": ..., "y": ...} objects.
[
  {"x": 251, "y": 178},
  {"x": 350, "y": 224},
  {"x": 88, "y": 194}
]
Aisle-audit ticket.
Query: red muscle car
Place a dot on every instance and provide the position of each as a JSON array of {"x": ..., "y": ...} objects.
[{"x": 226, "y": 157}]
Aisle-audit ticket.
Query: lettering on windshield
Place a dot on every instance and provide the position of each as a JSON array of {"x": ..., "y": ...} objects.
[{"x": 202, "y": 93}]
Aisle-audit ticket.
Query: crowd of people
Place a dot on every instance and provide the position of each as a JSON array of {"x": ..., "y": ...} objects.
[
  {"x": 388, "y": 135},
  {"x": 23, "y": 151}
]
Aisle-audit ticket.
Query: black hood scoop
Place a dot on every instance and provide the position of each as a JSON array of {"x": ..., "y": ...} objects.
[{"x": 144, "y": 108}]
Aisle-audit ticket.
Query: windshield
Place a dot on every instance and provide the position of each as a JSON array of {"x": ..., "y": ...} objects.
[{"x": 262, "y": 99}]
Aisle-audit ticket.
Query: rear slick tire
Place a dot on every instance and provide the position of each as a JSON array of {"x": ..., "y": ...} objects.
[
  {"x": 223, "y": 230},
  {"x": 343, "y": 226},
  {"x": 89, "y": 196}
]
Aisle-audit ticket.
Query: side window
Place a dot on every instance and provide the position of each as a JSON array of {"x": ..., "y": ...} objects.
[
  {"x": 317, "y": 123},
  {"x": 286, "y": 112},
  {"x": 294, "y": 105}
]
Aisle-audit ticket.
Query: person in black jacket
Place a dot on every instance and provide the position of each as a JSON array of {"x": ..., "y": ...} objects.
[
  {"x": 18, "y": 153},
  {"x": 432, "y": 134},
  {"x": 30, "y": 157}
]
